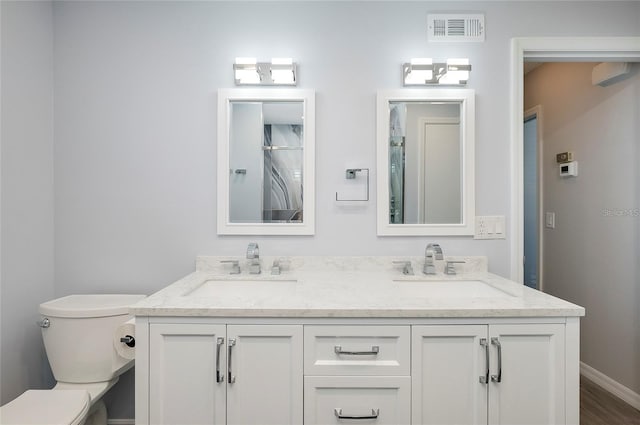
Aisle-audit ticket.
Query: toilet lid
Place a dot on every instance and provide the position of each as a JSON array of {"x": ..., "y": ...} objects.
[{"x": 38, "y": 407}]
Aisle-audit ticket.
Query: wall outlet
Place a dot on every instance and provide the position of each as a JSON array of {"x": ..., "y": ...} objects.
[{"x": 490, "y": 227}]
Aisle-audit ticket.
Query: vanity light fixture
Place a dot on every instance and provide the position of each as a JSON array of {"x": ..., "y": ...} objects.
[
  {"x": 246, "y": 71},
  {"x": 278, "y": 72},
  {"x": 423, "y": 71}
]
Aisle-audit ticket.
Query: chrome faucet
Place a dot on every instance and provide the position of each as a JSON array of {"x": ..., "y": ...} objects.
[
  {"x": 431, "y": 253},
  {"x": 253, "y": 254}
]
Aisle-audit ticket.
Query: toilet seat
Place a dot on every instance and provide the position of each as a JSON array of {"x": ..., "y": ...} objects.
[
  {"x": 37, "y": 407},
  {"x": 95, "y": 389}
]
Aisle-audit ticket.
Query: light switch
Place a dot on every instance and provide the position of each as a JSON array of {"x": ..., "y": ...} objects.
[
  {"x": 550, "y": 220},
  {"x": 500, "y": 226}
]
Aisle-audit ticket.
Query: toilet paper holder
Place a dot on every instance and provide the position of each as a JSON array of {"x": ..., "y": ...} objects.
[{"x": 128, "y": 340}]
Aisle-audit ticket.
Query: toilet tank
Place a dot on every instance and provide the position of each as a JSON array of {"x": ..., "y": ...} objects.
[{"x": 79, "y": 336}]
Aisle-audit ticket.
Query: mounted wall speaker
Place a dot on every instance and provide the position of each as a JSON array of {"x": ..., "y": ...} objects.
[{"x": 607, "y": 73}]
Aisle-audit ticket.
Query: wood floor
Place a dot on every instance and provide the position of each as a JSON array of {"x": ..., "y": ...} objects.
[{"x": 598, "y": 407}]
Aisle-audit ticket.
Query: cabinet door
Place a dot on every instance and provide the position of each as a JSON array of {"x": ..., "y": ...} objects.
[
  {"x": 361, "y": 399},
  {"x": 265, "y": 362},
  {"x": 531, "y": 388},
  {"x": 447, "y": 364},
  {"x": 183, "y": 387}
]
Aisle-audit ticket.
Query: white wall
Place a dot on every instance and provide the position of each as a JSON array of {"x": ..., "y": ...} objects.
[
  {"x": 26, "y": 192},
  {"x": 135, "y": 143},
  {"x": 591, "y": 257}
]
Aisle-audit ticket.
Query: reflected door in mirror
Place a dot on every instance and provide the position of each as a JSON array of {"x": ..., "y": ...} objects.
[{"x": 425, "y": 163}]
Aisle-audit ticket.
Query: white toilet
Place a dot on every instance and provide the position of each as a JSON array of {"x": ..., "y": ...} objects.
[{"x": 78, "y": 333}]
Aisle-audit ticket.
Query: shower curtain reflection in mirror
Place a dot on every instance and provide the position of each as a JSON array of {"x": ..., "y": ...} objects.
[
  {"x": 266, "y": 157},
  {"x": 282, "y": 178},
  {"x": 398, "y": 115}
]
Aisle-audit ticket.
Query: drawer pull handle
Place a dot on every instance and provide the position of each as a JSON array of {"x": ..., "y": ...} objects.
[
  {"x": 485, "y": 379},
  {"x": 497, "y": 378},
  {"x": 374, "y": 414},
  {"x": 232, "y": 377},
  {"x": 374, "y": 351},
  {"x": 219, "y": 376}
]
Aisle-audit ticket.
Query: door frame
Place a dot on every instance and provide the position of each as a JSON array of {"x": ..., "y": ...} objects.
[
  {"x": 548, "y": 49},
  {"x": 536, "y": 112}
]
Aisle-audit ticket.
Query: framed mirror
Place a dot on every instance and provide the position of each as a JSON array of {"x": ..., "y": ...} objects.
[
  {"x": 425, "y": 162},
  {"x": 266, "y": 162}
]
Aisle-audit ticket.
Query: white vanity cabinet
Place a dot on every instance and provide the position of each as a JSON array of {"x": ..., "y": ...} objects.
[
  {"x": 203, "y": 373},
  {"x": 496, "y": 374},
  {"x": 480, "y": 371}
]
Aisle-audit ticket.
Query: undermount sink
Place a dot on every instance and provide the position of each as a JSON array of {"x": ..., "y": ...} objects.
[
  {"x": 452, "y": 288},
  {"x": 233, "y": 287}
]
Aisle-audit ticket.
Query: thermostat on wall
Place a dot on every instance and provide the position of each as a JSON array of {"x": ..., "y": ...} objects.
[{"x": 568, "y": 169}]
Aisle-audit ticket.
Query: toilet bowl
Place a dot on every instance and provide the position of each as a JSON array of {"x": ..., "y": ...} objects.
[{"x": 78, "y": 335}]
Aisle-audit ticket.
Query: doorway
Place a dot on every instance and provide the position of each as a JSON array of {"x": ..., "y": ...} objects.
[
  {"x": 584, "y": 266},
  {"x": 548, "y": 49}
]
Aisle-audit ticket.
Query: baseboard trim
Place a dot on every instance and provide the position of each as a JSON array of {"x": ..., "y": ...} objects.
[
  {"x": 121, "y": 421},
  {"x": 608, "y": 384}
]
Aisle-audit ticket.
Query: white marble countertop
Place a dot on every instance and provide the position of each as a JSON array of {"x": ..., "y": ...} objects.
[{"x": 366, "y": 287}]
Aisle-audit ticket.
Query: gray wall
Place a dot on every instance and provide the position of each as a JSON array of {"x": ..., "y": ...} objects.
[
  {"x": 135, "y": 118},
  {"x": 591, "y": 257},
  {"x": 26, "y": 193}
]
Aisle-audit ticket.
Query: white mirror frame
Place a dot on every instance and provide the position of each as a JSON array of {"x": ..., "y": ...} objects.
[
  {"x": 225, "y": 98},
  {"x": 467, "y": 120}
]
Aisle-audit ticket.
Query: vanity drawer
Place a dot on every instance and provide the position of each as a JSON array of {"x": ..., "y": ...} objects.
[
  {"x": 357, "y": 350},
  {"x": 362, "y": 399}
]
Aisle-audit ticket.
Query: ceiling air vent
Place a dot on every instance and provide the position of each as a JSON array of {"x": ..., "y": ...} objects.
[{"x": 455, "y": 27}]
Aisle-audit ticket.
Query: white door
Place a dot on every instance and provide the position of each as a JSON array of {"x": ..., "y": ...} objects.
[
  {"x": 357, "y": 399},
  {"x": 183, "y": 385},
  {"x": 448, "y": 363},
  {"x": 442, "y": 180},
  {"x": 265, "y": 366},
  {"x": 527, "y": 374}
]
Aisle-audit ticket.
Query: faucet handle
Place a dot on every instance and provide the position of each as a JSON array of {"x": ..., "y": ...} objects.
[
  {"x": 235, "y": 266},
  {"x": 279, "y": 264},
  {"x": 450, "y": 268},
  {"x": 406, "y": 267}
]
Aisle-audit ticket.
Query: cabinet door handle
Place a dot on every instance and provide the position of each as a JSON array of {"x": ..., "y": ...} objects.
[
  {"x": 374, "y": 414},
  {"x": 232, "y": 378},
  {"x": 219, "y": 376},
  {"x": 497, "y": 378},
  {"x": 485, "y": 378},
  {"x": 374, "y": 351}
]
